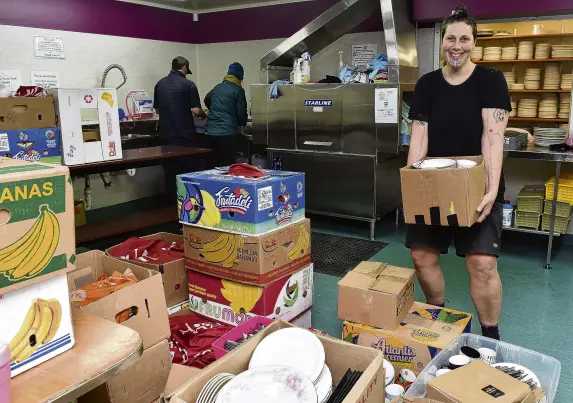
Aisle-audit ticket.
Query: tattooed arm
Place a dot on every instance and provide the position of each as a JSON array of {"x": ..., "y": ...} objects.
[
  {"x": 418, "y": 142},
  {"x": 494, "y": 124}
]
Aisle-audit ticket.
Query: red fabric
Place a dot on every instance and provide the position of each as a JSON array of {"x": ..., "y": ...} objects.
[
  {"x": 246, "y": 170},
  {"x": 191, "y": 339},
  {"x": 153, "y": 251}
]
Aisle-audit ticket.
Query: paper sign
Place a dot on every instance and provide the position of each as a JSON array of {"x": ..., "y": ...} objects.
[
  {"x": 11, "y": 78},
  {"x": 45, "y": 79},
  {"x": 386, "y": 105},
  {"x": 363, "y": 54},
  {"x": 46, "y": 47}
]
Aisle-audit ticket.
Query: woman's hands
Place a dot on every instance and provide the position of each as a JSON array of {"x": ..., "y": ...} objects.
[{"x": 485, "y": 206}]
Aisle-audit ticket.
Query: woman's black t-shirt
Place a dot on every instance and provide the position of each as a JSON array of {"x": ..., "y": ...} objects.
[{"x": 454, "y": 112}]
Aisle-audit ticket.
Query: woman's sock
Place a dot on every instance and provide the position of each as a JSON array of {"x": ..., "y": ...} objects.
[{"x": 490, "y": 331}]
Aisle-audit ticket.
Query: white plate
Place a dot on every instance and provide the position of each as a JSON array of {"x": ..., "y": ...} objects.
[
  {"x": 390, "y": 373},
  {"x": 466, "y": 163},
  {"x": 205, "y": 394},
  {"x": 437, "y": 163},
  {"x": 292, "y": 347},
  {"x": 276, "y": 384},
  {"x": 530, "y": 374},
  {"x": 324, "y": 384},
  {"x": 216, "y": 388}
]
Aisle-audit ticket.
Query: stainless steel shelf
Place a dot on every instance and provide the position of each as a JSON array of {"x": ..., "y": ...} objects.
[
  {"x": 530, "y": 231},
  {"x": 533, "y": 152}
]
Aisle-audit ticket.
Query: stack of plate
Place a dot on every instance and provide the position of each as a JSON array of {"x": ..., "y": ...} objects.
[
  {"x": 532, "y": 79},
  {"x": 548, "y": 106},
  {"x": 513, "y": 112},
  {"x": 492, "y": 53},
  {"x": 509, "y": 77},
  {"x": 211, "y": 390},
  {"x": 566, "y": 81},
  {"x": 525, "y": 50},
  {"x": 564, "y": 126},
  {"x": 564, "y": 106},
  {"x": 485, "y": 32},
  {"x": 477, "y": 53},
  {"x": 552, "y": 78},
  {"x": 509, "y": 53},
  {"x": 542, "y": 50},
  {"x": 547, "y": 136},
  {"x": 517, "y": 86},
  {"x": 562, "y": 51},
  {"x": 527, "y": 108}
]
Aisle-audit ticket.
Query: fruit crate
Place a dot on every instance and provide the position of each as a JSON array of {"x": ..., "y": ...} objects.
[
  {"x": 527, "y": 220},
  {"x": 546, "y": 368},
  {"x": 563, "y": 208},
  {"x": 561, "y": 223},
  {"x": 530, "y": 199},
  {"x": 565, "y": 191}
]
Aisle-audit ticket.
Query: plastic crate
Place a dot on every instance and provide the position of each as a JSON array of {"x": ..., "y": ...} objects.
[
  {"x": 527, "y": 220},
  {"x": 565, "y": 192},
  {"x": 563, "y": 208},
  {"x": 561, "y": 223},
  {"x": 547, "y": 369},
  {"x": 530, "y": 199}
]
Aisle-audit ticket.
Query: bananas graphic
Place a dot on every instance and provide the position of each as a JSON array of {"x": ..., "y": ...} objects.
[
  {"x": 40, "y": 325},
  {"x": 302, "y": 244},
  {"x": 211, "y": 216},
  {"x": 243, "y": 297},
  {"x": 107, "y": 97},
  {"x": 223, "y": 250},
  {"x": 30, "y": 254}
]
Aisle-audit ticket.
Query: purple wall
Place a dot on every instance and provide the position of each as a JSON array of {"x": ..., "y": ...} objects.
[{"x": 436, "y": 10}]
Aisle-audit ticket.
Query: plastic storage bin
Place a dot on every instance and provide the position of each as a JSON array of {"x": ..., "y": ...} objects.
[
  {"x": 530, "y": 199},
  {"x": 527, "y": 220},
  {"x": 565, "y": 191},
  {"x": 561, "y": 223},
  {"x": 547, "y": 369},
  {"x": 563, "y": 208}
]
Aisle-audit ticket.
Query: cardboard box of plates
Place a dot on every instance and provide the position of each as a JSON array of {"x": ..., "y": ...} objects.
[
  {"x": 425, "y": 331},
  {"x": 339, "y": 357},
  {"x": 37, "y": 249}
]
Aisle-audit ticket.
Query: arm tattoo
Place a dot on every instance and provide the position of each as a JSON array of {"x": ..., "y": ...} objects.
[
  {"x": 499, "y": 115},
  {"x": 420, "y": 123}
]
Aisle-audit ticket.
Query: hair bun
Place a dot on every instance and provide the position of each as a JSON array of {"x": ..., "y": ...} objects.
[{"x": 460, "y": 11}]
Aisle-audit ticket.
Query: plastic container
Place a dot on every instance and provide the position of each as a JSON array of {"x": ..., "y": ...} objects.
[
  {"x": 547, "y": 369},
  {"x": 527, "y": 220},
  {"x": 530, "y": 199},
  {"x": 563, "y": 208},
  {"x": 4, "y": 373},
  {"x": 507, "y": 215},
  {"x": 561, "y": 223},
  {"x": 565, "y": 191}
]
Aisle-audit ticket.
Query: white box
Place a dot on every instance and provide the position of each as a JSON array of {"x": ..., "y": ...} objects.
[
  {"x": 101, "y": 104},
  {"x": 24, "y": 309}
]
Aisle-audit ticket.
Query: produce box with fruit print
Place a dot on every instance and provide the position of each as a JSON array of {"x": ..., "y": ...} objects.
[
  {"x": 34, "y": 145},
  {"x": 37, "y": 233},
  {"x": 248, "y": 258},
  {"x": 252, "y": 206},
  {"x": 233, "y": 302},
  {"x": 37, "y": 323}
]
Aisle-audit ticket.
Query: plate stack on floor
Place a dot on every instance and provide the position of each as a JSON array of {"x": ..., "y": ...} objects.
[{"x": 247, "y": 244}]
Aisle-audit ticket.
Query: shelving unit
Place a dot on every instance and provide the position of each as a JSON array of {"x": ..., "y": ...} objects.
[
  {"x": 539, "y": 91},
  {"x": 545, "y": 120},
  {"x": 531, "y": 36},
  {"x": 557, "y": 59}
]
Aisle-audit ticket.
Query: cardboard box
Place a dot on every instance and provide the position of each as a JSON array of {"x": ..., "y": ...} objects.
[
  {"x": 80, "y": 213},
  {"x": 179, "y": 375},
  {"x": 447, "y": 197},
  {"x": 249, "y": 259},
  {"x": 252, "y": 206},
  {"x": 426, "y": 330},
  {"x": 45, "y": 301},
  {"x": 340, "y": 357},
  {"x": 145, "y": 298},
  {"x": 376, "y": 294},
  {"x": 27, "y": 113},
  {"x": 174, "y": 273},
  {"x": 478, "y": 383},
  {"x": 303, "y": 320},
  {"x": 101, "y": 104},
  {"x": 231, "y": 302},
  {"x": 143, "y": 382},
  {"x": 37, "y": 234},
  {"x": 34, "y": 145},
  {"x": 404, "y": 399},
  {"x": 237, "y": 332}
]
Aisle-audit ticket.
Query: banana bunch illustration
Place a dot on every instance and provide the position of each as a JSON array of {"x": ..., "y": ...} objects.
[
  {"x": 107, "y": 97},
  {"x": 30, "y": 254},
  {"x": 223, "y": 250},
  {"x": 302, "y": 244},
  {"x": 211, "y": 216},
  {"x": 243, "y": 297},
  {"x": 42, "y": 321}
]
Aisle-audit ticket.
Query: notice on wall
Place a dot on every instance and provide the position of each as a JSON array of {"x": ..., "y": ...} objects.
[
  {"x": 11, "y": 78},
  {"x": 363, "y": 54},
  {"x": 386, "y": 105},
  {"x": 45, "y": 79},
  {"x": 47, "y": 47}
]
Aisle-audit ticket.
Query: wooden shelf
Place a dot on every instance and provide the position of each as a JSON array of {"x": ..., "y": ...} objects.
[
  {"x": 540, "y": 91},
  {"x": 491, "y": 38},
  {"x": 556, "y": 120},
  {"x": 560, "y": 59}
]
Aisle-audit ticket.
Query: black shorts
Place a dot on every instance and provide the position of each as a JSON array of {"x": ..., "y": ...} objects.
[{"x": 482, "y": 237}]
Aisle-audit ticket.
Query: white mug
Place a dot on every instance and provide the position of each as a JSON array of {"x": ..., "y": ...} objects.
[
  {"x": 537, "y": 28},
  {"x": 394, "y": 391},
  {"x": 442, "y": 371},
  {"x": 488, "y": 355}
]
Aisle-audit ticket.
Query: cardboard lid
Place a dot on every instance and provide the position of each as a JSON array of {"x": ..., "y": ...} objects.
[{"x": 379, "y": 277}]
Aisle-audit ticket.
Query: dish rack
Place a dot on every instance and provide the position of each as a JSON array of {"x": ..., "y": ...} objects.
[
  {"x": 563, "y": 208},
  {"x": 525, "y": 219},
  {"x": 546, "y": 368},
  {"x": 530, "y": 199},
  {"x": 561, "y": 223},
  {"x": 565, "y": 191}
]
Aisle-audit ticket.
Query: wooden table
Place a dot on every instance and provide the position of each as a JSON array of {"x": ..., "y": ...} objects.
[{"x": 102, "y": 350}]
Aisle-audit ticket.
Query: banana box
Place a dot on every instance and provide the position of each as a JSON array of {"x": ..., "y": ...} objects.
[
  {"x": 37, "y": 323},
  {"x": 249, "y": 259},
  {"x": 425, "y": 331},
  {"x": 253, "y": 206},
  {"x": 34, "y": 145},
  {"x": 37, "y": 232},
  {"x": 231, "y": 302}
]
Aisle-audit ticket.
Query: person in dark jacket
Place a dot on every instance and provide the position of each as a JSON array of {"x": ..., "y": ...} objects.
[{"x": 227, "y": 112}]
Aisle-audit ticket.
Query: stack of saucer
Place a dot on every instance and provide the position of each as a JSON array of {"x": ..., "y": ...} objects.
[
  {"x": 517, "y": 86},
  {"x": 562, "y": 51},
  {"x": 477, "y": 53},
  {"x": 527, "y": 108},
  {"x": 509, "y": 53},
  {"x": 548, "y": 106},
  {"x": 509, "y": 77},
  {"x": 525, "y": 50},
  {"x": 532, "y": 78},
  {"x": 492, "y": 53},
  {"x": 542, "y": 50},
  {"x": 564, "y": 106},
  {"x": 513, "y": 112},
  {"x": 552, "y": 77},
  {"x": 566, "y": 81}
]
